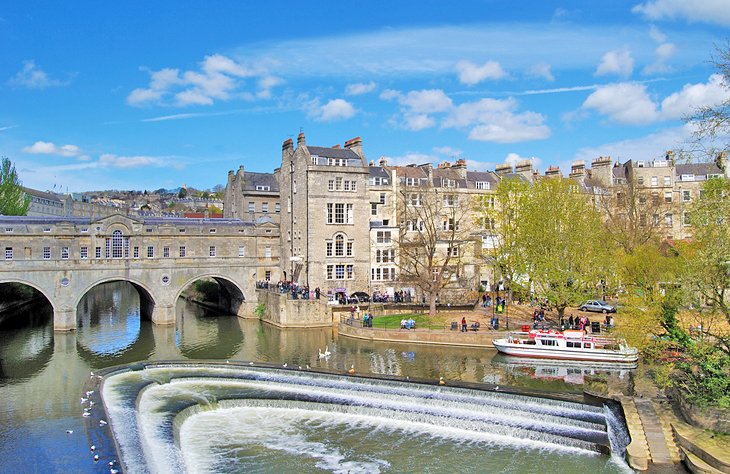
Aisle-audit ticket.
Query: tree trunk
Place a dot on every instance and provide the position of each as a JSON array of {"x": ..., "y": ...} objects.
[
  {"x": 432, "y": 304},
  {"x": 561, "y": 312}
]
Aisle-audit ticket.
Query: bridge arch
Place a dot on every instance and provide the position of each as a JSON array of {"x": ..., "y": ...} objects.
[
  {"x": 231, "y": 298},
  {"x": 146, "y": 299},
  {"x": 44, "y": 291}
]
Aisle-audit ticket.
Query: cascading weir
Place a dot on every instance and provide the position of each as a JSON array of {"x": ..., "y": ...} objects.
[{"x": 234, "y": 418}]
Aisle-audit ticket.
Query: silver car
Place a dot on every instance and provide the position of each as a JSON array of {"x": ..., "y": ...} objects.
[{"x": 597, "y": 306}]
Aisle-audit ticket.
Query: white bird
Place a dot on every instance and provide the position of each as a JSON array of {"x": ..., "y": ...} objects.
[
  {"x": 300, "y": 367},
  {"x": 93, "y": 447},
  {"x": 102, "y": 422},
  {"x": 85, "y": 414},
  {"x": 89, "y": 393},
  {"x": 69, "y": 431},
  {"x": 307, "y": 366},
  {"x": 91, "y": 403},
  {"x": 111, "y": 463},
  {"x": 84, "y": 400},
  {"x": 96, "y": 457},
  {"x": 327, "y": 352},
  {"x": 113, "y": 471},
  {"x": 227, "y": 362},
  {"x": 250, "y": 363},
  {"x": 285, "y": 364},
  {"x": 91, "y": 374},
  {"x": 497, "y": 387}
]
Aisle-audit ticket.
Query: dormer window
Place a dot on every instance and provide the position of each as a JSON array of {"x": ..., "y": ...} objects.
[
  {"x": 482, "y": 184},
  {"x": 263, "y": 188}
]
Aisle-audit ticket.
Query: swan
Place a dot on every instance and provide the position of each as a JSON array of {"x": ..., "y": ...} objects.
[{"x": 102, "y": 422}]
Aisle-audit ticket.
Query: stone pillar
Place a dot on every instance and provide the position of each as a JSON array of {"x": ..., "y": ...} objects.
[
  {"x": 163, "y": 315},
  {"x": 64, "y": 319}
]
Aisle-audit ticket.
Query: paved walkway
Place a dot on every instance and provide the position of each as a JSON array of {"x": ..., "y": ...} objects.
[{"x": 663, "y": 452}]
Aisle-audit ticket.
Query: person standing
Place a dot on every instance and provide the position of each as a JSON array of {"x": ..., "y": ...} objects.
[{"x": 463, "y": 324}]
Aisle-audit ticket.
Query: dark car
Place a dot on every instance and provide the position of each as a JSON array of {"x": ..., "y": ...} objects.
[
  {"x": 359, "y": 297},
  {"x": 597, "y": 306}
]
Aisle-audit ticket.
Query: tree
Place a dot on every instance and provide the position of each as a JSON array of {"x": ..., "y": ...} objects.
[
  {"x": 14, "y": 201},
  {"x": 501, "y": 219},
  {"x": 707, "y": 256},
  {"x": 628, "y": 215},
  {"x": 561, "y": 237},
  {"x": 182, "y": 194},
  {"x": 435, "y": 236}
]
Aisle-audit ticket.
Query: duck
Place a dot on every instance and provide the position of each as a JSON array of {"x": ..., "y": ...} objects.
[
  {"x": 93, "y": 447},
  {"x": 351, "y": 370},
  {"x": 441, "y": 381}
]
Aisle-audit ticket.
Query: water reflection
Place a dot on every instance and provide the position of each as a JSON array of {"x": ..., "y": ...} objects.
[
  {"x": 202, "y": 335},
  {"x": 26, "y": 344},
  {"x": 108, "y": 319}
]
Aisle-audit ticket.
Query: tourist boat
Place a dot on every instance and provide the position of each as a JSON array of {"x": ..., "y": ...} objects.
[{"x": 566, "y": 345}]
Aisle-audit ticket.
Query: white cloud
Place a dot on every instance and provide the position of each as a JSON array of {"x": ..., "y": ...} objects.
[
  {"x": 542, "y": 70},
  {"x": 426, "y": 101},
  {"x": 656, "y": 34},
  {"x": 617, "y": 62},
  {"x": 411, "y": 158},
  {"x": 335, "y": 109},
  {"x": 630, "y": 103},
  {"x": 49, "y": 148},
  {"x": 663, "y": 52},
  {"x": 416, "y": 122},
  {"x": 470, "y": 73},
  {"x": 219, "y": 78},
  {"x": 360, "y": 88},
  {"x": 692, "y": 96},
  {"x": 514, "y": 158},
  {"x": 498, "y": 121},
  {"x": 624, "y": 103},
  {"x": 137, "y": 161},
  {"x": 447, "y": 150},
  {"x": 643, "y": 148},
  {"x": 473, "y": 165},
  {"x": 710, "y": 11},
  {"x": 33, "y": 77},
  {"x": 389, "y": 94}
]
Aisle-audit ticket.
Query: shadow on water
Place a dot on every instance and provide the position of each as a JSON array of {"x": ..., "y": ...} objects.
[
  {"x": 202, "y": 333},
  {"x": 26, "y": 341}
]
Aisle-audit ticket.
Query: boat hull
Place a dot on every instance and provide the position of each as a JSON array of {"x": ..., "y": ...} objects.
[{"x": 562, "y": 353}]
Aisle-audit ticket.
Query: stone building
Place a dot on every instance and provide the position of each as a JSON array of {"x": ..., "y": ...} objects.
[{"x": 250, "y": 196}]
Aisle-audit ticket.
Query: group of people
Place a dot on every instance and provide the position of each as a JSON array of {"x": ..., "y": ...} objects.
[
  {"x": 289, "y": 287},
  {"x": 407, "y": 324},
  {"x": 367, "y": 318},
  {"x": 538, "y": 318}
]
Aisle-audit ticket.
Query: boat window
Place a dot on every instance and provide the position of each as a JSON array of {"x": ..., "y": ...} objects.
[{"x": 587, "y": 345}]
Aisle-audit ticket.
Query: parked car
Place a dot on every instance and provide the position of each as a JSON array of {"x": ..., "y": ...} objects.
[
  {"x": 597, "y": 306},
  {"x": 359, "y": 297}
]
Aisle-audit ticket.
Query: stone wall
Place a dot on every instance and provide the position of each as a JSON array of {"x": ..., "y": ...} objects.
[
  {"x": 421, "y": 336},
  {"x": 283, "y": 311}
]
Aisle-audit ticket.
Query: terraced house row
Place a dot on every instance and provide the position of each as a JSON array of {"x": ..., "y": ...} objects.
[{"x": 346, "y": 223}]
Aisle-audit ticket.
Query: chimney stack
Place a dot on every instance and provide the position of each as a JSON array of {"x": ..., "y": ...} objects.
[
  {"x": 300, "y": 140},
  {"x": 287, "y": 145}
]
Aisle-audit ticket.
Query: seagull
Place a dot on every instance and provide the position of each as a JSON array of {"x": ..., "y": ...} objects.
[
  {"x": 96, "y": 457},
  {"x": 227, "y": 362},
  {"x": 102, "y": 422},
  {"x": 113, "y": 471},
  {"x": 91, "y": 403},
  {"x": 497, "y": 387},
  {"x": 85, "y": 414},
  {"x": 285, "y": 364},
  {"x": 93, "y": 447},
  {"x": 300, "y": 367},
  {"x": 250, "y": 363},
  {"x": 111, "y": 463},
  {"x": 441, "y": 381},
  {"x": 84, "y": 400},
  {"x": 69, "y": 431},
  {"x": 91, "y": 374},
  {"x": 89, "y": 393}
]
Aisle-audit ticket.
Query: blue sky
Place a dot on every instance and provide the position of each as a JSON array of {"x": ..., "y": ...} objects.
[{"x": 143, "y": 95}]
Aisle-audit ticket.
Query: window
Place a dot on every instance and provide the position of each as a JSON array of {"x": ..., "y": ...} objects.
[
  {"x": 97, "y": 252},
  {"x": 117, "y": 244},
  {"x": 448, "y": 224},
  {"x": 267, "y": 275},
  {"x": 84, "y": 252},
  {"x": 150, "y": 252},
  {"x": 688, "y": 177},
  {"x": 166, "y": 252},
  {"x": 263, "y": 188},
  {"x": 415, "y": 199},
  {"x": 654, "y": 181},
  {"x": 264, "y": 207},
  {"x": 454, "y": 251},
  {"x": 294, "y": 186},
  {"x": 378, "y": 181},
  {"x": 211, "y": 231},
  {"x": 339, "y": 272},
  {"x": 211, "y": 251},
  {"x": 241, "y": 251},
  {"x": 349, "y": 248},
  {"x": 336, "y": 161},
  {"x": 686, "y": 195},
  {"x": 183, "y": 251},
  {"x": 667, "y": 196},
  {"x": 448, "y": 183},
  {"x": 374, "y": 209},
  {"x": 136, "y": 252},
  {"x": 331, "y": 185},
  {"x": 347, "y": 184},
  {"x": 46, "y": 229},
  {"x": 329, "y": 271},
  {"x": 64, "y": 253},
  {"x": 108, "y": 248},
  {"x": 339, "y": 217},
  {"x": 277, "y": 207},
  {"x": 668, "y": 219},
  {"x": 338, "y": 183},
  {"x": 667, "y": 181},
  {"x": 267, "y": 251},
  {"x": 383, "y": 237},
  {"x": 339, "y": 245},
  {"x": 47, "y": 252},
  {"x": 350, "y": 215},
  {"x": 385, "y": 256},
  {"x": 8, "y": 253},
  {"x": 350, "y": 271},
  {"x": 412, "y": 181},
  {"x": 482, "y": 184},
  {"x": 288, "y": 236},
  {"x": 329, "y": 248},
  {"x": 146, "y": 230},
  {"x": 182, "y": 231},
  {"x": 640, "y": 164},
  {"x": 640, "y": 180},
  {"x": 450, "y": 200},
  {"x": 686, "y": 219},
  {"x": 251, "y": 206},
  {"x": 8, "y": 229},
  {"x": 382, "y": 198}
]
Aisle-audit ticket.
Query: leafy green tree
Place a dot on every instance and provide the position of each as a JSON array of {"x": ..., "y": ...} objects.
[
  {"x": 563, "y": 243},
  {"x": 14, "y": 201},
  {"x": 501, "y": 218},
  {"x": 183, "y": 193}
]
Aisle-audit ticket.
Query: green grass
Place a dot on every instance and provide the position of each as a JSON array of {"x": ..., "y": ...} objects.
[{"x": 423, "y": 321}]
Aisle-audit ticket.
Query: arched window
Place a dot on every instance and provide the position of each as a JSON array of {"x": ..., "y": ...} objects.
[
  {"x": 339, "y": 245},
  {"x": 117, "y": 242}
]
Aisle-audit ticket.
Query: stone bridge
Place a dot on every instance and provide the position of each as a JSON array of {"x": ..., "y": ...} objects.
[{"x": 64, "y": 257}]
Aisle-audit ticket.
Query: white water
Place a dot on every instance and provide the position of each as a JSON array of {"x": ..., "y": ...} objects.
[{"x": 321, "y": 420}]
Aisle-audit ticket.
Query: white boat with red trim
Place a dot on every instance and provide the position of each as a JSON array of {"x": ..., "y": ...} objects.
[{"x": 566, "y": 345}]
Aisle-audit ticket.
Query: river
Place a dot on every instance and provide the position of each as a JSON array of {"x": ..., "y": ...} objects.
[{"x": 42, "y": 373}]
